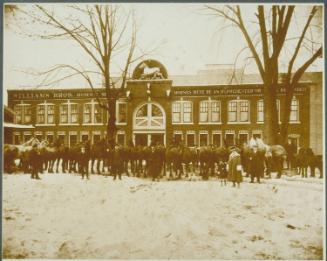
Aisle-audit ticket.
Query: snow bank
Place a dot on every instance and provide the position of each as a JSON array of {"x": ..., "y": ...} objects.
[{"x": 62, "y": 216}]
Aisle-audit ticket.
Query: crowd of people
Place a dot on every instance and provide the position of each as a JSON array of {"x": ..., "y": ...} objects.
[{"x": 228, "y": 164}]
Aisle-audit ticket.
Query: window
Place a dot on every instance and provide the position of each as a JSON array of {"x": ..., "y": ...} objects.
[
  {"x": 178, "y": 137},
  {"x": 23, "y": 113},
  {"x": 74, "y": 113},
  {"x": 27, "y": 136},
  {"x": 260, "y": 110},
  {"x": 209, "y": 111},
  {"x": 64, "y": 113},
  {"x": 121, "y": 111},
  {"x": 45, "y": 113},
  {"x": 50, "y": 115},
  {"x": 149, "y": 116},
  {"x": 68, "y": 113},
  {"x": 230, "y": 139},
  {"x": 190, "y": 139},
  {"x": 17, "y": 139},
  {"x": 72, "y": 139},
  {"x": 62, "y": 138},
  {"x": 294, "y": 116},
  {"x": 92, "y": 113},
  {"x": 39, "y": 136},
  {"x": 238, "y": 111},
  {"x": 242, "y": 138},
  {"x": 96, "y": 138},
  {"x": 182, "y": 112},
  {"x": 50, "y": 138},
  {"x": 216, "y": 139},
  {"x": 203, "y": 139},
  {"x": 87, "y": 113},
  {"x": 84, "y": 137},
  {"x": 121, "y": 138},
  {"x": 97, "y": 113}
]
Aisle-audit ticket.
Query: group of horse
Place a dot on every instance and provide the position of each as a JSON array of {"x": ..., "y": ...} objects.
[{"x": 177, "y": 160}]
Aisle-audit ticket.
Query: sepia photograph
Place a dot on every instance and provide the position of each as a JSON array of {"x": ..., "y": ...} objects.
[{"x": 163, "y": 131}]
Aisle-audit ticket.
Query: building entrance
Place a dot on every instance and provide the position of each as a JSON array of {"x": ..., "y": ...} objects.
[
  {"x": 149, "y": 124},
  {"x": 145, "y": 139}
]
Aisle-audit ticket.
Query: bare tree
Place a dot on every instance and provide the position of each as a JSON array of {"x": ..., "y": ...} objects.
[
  {"x": 102, "y": 32},
  {"x": 273, "y": 29}
]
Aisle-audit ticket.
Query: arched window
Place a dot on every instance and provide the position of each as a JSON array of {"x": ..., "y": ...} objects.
[
  {"x": 149, "y": 115},
  {"x": 209, "y": 111}
]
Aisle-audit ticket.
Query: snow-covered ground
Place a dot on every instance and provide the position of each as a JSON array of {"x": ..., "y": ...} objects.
[{"x": 62, "y": 216}]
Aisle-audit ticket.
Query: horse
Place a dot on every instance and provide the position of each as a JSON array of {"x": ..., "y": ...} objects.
[
  {"x": 273, "y": 159},
  {"x": 174, "y": 161},
  {"x": 207, "y": 159},
  {"x": 10, "y": 154}
]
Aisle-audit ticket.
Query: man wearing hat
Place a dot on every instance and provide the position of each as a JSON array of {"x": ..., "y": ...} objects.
[
  {"x": 34, "y": 161},
  {"x": 154, "y": 162},
  {"x": 257, "y": 163}
]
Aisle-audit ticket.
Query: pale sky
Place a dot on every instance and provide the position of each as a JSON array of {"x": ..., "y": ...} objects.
[{"x": 187, "y": 39}]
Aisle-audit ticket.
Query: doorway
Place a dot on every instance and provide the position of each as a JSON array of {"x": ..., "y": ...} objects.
[{"x": 145, "y": 139}]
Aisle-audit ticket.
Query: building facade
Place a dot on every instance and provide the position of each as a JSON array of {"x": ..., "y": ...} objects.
[{"x": 155, "y": 109}]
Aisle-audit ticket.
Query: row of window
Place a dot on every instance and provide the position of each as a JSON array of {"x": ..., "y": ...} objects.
[
  {"x": 182, "y": 112},
  {"x": 216, "y": 138},
  {"x": 69, "y": 138},
  {"x": 238, "y": 111},
  {"x": 189, "y": 138},
  {"x": 68, "y": 113}
]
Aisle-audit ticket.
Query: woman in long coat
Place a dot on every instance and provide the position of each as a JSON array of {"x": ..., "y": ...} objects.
[{"x": 234, "y": 167}]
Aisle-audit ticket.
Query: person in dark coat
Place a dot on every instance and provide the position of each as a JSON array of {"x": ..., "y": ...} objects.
[
  {"x": 84, "y": 162},
  {"x": 117, "y": 162},
  {"x": 257, "y": 164},
  {"x": 291, "y": 150},
  {"x": 154, "y": 162},
  {"x": 235, "y": 167},
  {"x": 35, "y": 162}
]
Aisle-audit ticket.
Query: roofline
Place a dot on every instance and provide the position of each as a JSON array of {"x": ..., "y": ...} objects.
[{"x": 186, "y": 85}]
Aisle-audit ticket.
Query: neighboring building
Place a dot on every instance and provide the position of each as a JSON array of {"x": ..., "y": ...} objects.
[
  {"x": 215, "y": 108},
  {"x": 9, "y": 126}
]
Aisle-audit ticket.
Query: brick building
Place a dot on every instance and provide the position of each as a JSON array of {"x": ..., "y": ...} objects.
[{"x": 201, "y": 109}]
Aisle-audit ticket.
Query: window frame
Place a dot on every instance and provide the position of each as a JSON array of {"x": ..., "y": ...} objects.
[
  {"x": 209, "y": 111},
  {"x": 207, "y": 135},
  {"x": 295, "y": 99},
  {"x": 92, "y": 113},
  {"x": 151, "y": 122},
  {"x": 238, "y": 111},
  {"x": 217, "y": 133},
  {"x": 182, "y": 112},
  {"x": 23, "y": 114},
  {"x": 194, "y": 139},
  {"x": 45, "y": 114},
  {"x": 118, "y": 104}
]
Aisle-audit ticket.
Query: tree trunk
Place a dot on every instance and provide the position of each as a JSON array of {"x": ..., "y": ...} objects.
[
  {"x": 286, "y": 117},
  {"x": 271, "y": 128},
  {"x": 111, "y": 126}
]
